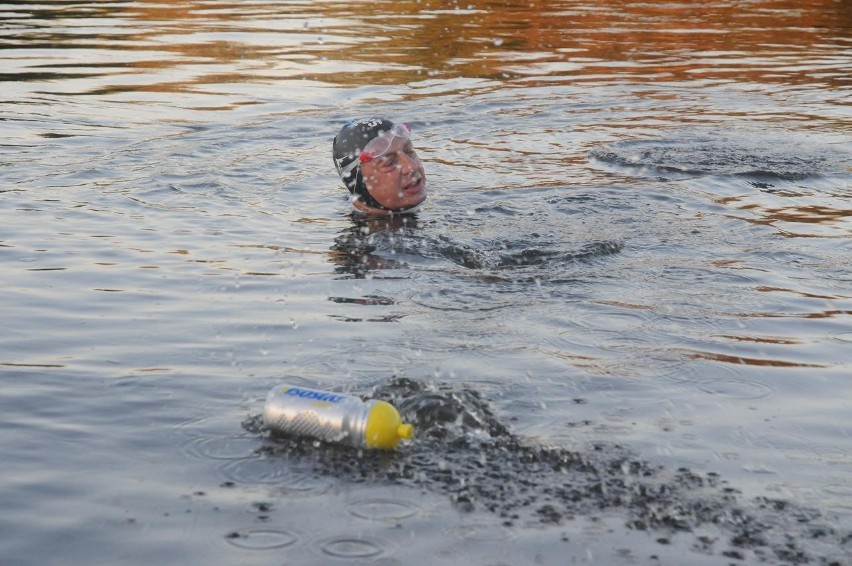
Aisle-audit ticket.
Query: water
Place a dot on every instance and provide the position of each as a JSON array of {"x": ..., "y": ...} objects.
[{"x": 637, "y": 234}]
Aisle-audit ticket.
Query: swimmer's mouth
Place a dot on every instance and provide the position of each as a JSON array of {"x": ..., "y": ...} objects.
[{"x": 413, "y": 186}]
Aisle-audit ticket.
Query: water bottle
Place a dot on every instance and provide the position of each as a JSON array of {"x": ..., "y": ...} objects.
[{"x": 334, "y": 417}]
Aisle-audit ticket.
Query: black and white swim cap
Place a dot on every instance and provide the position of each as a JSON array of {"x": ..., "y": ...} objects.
[{"x": 348, "y": 144}]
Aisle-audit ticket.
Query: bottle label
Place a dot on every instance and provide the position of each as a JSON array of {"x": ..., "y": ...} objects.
[{"x": 314, "y": 395}]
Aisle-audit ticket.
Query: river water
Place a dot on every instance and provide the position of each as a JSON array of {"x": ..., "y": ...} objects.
[{"x": 637, "y": 241}]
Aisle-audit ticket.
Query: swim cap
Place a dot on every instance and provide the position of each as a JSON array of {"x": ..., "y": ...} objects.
[{"x": 348, "y": 144}]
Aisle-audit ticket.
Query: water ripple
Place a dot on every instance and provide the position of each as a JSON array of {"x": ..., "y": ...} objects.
[
  {"x": 272, "y": 472},
  {"x": 587, "y": 159},
  {"x": 261, "y": 538},
  {"x": 354, "y": 547},
  {"x": 481, "y": 532},
  {"x": 692, "y": 155},
  {"x": 235, "y": 447},
  {"x": 381, "y": 509},
  {"x": 733, "y": 389}
]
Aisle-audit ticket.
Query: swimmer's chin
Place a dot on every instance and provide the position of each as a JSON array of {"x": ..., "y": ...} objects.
[{"x": 365, "y": 209}]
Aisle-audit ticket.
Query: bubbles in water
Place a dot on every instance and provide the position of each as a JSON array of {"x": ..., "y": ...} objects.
[{"x": 443, "y": 412}]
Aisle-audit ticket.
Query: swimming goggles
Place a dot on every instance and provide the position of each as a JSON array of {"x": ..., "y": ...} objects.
[{"x": 380, "y": 145}]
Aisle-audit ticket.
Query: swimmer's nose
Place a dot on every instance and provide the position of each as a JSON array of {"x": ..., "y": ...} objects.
[{"x": 407, "y": 164}]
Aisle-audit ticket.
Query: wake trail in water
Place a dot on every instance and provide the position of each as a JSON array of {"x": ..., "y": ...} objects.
[{"x": 464, "y": 450}]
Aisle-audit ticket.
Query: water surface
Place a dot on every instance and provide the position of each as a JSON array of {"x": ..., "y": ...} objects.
[{"x": 638, "y": 234}]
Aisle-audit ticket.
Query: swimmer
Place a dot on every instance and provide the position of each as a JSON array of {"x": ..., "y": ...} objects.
[{"x": 377, "y": 163}]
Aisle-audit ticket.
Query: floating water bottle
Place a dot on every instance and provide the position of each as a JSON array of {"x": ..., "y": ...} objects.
[{"x": 299, "y": 411}]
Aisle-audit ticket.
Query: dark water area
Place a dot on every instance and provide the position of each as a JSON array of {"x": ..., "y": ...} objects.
[{"x": 621, "y": 321}]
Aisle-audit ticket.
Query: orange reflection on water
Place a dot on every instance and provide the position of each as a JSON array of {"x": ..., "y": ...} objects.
[
  {"x": 712, "y": 356},
  {"x": 768, "y": 289},
  {"x": 821, "y": 314},
  {"x": 798, "y": 220},
  {"x": 761, "y": 339}
]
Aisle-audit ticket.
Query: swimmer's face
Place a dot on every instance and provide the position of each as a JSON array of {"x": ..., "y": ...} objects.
[{"x": 396, "y": 179}]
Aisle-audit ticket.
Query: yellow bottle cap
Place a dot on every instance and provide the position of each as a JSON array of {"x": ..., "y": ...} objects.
[
  {"x": 384, "y": 427},
  {"x": 405, "y": 431}
]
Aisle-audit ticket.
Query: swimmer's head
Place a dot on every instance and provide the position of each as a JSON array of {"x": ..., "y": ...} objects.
[{"x": 377, "y": 163}]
